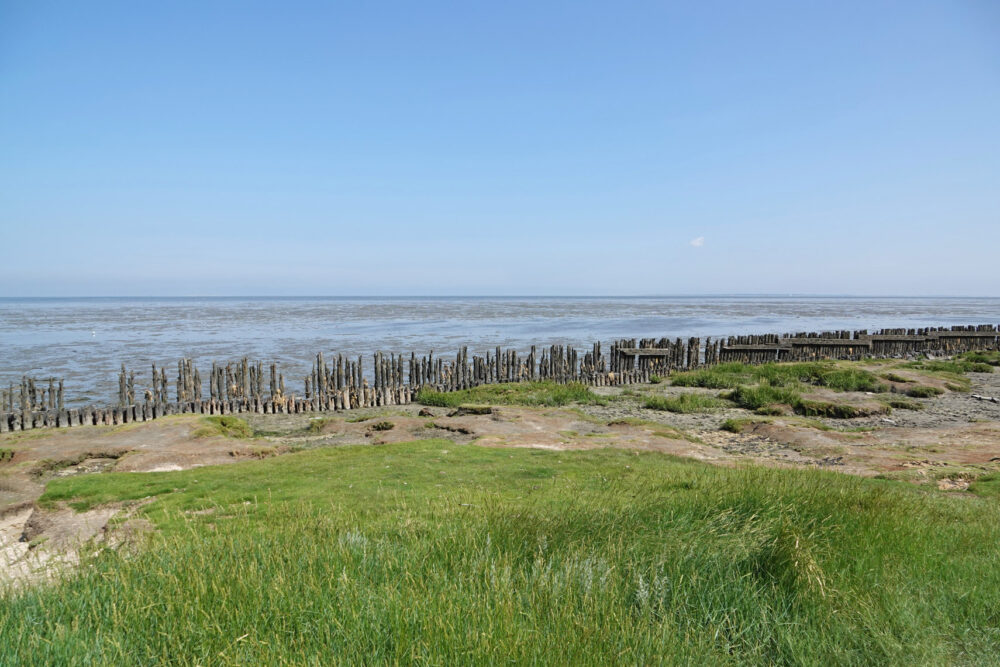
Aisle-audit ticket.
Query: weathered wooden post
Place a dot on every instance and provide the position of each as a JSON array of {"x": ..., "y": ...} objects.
[{"x": 122, "y": 387}]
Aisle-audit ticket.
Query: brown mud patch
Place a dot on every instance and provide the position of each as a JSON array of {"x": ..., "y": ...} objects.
[
  {"x": 41, "y": 543},
  {"x": 972, "y": 449},
  {"x": 165, "y": 444},
  {"x": 498, "y": 426}
]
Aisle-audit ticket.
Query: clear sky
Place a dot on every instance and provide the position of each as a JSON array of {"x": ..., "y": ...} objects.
[{"x": 375, "y": 148}]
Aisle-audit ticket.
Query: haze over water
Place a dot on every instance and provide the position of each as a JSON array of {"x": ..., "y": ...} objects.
[{"x": 85, "y": 340}]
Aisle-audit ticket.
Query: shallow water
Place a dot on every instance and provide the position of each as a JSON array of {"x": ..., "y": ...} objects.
[{"x": 85, "y": 340}]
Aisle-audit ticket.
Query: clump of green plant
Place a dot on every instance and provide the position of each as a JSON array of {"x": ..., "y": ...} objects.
[
  {"x": 754, "y": 397},
  {"x": 820, "y": 373},
  {"x": 257, "y": 452},
  {"x": 546, "y": 393},
  {"x": 991, "y": 357},
  {"x": 955, "y": 366},
  {"x": 733, "y": 374},
  {"x": 894, "y": 377},
  {"x": 738, "y": 425},
  {"x": 923, "y": 391},
  {"x": 358, "y": 419},
  {"x": 851, "y": 379},
  {"x": 835, "y": 410},
  {"x": 223, "y": 426},
  {"x": 814, "y": 423},
  {"x": 382, "y": 426},
  {"x": 427, "y": 396},
  {"x": 987, "y": 485},
  {"x": 469, "y": 409},
  {"x": 904, "y": 404},
  {"x": 6, "y": 454},
  {"x": 684, "y": 403},
  {"x": 316, "y": 425},
  {"x": 655, "y": 379},
  {"x": 766, "y": 399}
]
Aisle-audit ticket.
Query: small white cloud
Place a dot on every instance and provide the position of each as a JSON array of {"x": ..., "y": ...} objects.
[{"x": 698, "y": 242}]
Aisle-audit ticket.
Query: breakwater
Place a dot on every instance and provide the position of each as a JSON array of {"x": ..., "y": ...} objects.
[{"x": 339, "y": 383}]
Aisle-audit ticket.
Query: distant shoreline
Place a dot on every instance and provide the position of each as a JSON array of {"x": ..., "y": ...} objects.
[{"x": 487, "y": 297}]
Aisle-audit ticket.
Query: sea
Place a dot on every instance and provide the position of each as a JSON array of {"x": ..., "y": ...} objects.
[{"x": 85, "y": 340}]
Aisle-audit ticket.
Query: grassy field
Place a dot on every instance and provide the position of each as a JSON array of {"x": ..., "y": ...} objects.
[
  {"x": 543, "y": 393},
  {"x": 438, "y": 553}
]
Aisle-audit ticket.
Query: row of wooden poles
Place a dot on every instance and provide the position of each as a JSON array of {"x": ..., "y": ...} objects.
[
  {"x": 33, "y": 395},
  {"x": 854, "y": 345},
  {"x": 343, "y": 383}
]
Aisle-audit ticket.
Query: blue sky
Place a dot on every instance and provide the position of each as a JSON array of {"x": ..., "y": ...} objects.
[{"x": 231, "y": 148}]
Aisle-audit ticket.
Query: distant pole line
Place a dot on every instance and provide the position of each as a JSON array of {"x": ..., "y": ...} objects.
[{"x": 343, "y": 383}]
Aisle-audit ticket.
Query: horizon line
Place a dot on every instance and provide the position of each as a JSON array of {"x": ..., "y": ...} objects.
[{"x": 786, "y": 295}]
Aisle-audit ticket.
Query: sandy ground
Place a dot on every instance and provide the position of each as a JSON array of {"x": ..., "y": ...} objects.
[{"x": 953, "y": 440}]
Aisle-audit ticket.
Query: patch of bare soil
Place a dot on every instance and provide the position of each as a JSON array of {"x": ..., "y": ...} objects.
[
  {"x": 64, "y": 528},
  {"x": 973, "y": 447},
  {"x": 863, "y": 403},
  {"x": 165, "y": 444},
  {"x": 503, "y": 426},
  {"x": 38, "y": 543}
]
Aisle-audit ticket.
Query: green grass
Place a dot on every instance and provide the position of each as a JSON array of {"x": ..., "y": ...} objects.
[
  {"x": 761, "y": 396},
  {"x": 821, "y": 373},
  {"x": 851, "y": 379},
  {"x": 435, "y": 553},
  {"x": 317, "y": 425},
  {"x": 765, "y": 387},
  {"x": 834, "y": 410},
  {"x": 226, "y": 427},
  {"x": 991, "y": 357},
  {"x": 737, "y": 425},
  {"x": 955, "y": 366},
  {"x": 766, "y": 399},
  {"x": 987, "y": 485},
  {"x": 953, "y": 373},
  {"x": 358, "y": 419},
  {"x": 684, "y": 403},
  {"x": 903, "y": 404},
  {"x": 6, "y": 454},
  {"x": 515, "y": 393},
  {"x": 923, "y": 391},
  {"x": 655, "y": 379}
]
